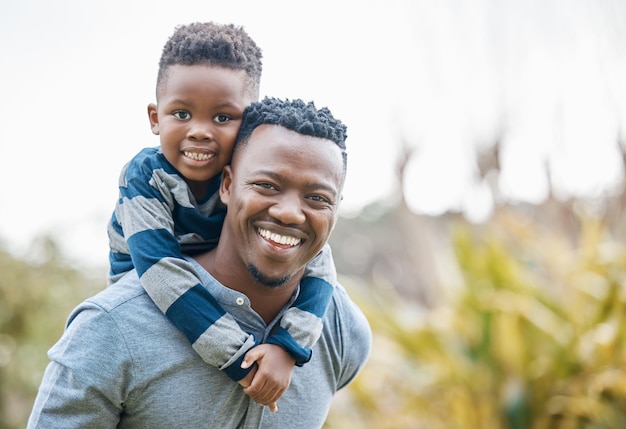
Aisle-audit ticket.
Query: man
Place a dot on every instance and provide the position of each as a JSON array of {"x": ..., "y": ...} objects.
[{"x": 120, "y": 363}]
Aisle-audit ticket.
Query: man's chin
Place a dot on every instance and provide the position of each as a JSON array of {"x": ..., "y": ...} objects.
[{"x": 267, "y": 281}]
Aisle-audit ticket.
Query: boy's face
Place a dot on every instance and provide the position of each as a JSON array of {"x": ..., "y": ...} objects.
[
  {"x": 198, "y": 115},
  {"x": 283, "y": 192}
]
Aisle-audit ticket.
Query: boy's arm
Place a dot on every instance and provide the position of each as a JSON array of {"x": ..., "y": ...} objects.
[
  {"x": 146, "y": 214},
  {"x": 299, "y": 330},
  {"x": 322, "y": 266},
  {"x": 301, "y": 325}
]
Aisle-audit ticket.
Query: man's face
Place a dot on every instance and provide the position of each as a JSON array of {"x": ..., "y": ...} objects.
[{"x": 282, "y": 192}]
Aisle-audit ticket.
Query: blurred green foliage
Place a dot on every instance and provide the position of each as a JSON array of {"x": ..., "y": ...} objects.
[
  {"x": 35, "y": 299},
  {"x": 532, "y": 336}
]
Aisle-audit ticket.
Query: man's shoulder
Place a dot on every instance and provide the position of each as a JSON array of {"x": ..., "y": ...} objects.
[
  {"x": 125, "y": 292},
  {"x": 347, "y": 315},
  {"x": 346, "y": 337},
  {"x": 342, "y": 300}
]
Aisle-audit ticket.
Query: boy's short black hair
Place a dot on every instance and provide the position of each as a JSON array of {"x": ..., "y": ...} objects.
[
  {"x": 295, "y": 115},
  {"x": 224, "y": 45}
]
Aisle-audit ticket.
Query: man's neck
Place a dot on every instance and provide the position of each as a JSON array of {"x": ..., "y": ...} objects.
[{"x": 266, "y": 301}]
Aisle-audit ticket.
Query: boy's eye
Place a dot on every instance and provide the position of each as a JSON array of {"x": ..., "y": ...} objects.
[
  {"x": 222, "y": 118},
  {"x": 182, "y": 115}
]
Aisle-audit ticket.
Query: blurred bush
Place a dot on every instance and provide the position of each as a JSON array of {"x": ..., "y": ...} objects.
[
  {"x": 527, "y": 331},
  {"x": 532, "y": 336},
  {"x": 35, "y": 298}
]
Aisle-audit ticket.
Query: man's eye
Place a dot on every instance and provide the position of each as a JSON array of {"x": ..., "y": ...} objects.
[
  {"x": 182, "y": 115},
  {"x": 265, "y": 185},
  {"x": 222, "y": 118},
  {"x": 319, "y": 199}
]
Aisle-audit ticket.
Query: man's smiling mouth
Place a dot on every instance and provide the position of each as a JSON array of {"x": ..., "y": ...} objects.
[{"x": 279, "y": 239}]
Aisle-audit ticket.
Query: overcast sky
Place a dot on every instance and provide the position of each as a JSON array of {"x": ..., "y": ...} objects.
[{"x": 443, "y": 76}]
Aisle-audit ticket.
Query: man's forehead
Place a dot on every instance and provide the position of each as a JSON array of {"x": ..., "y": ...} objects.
[
  {"x": 267, "y": 137},
  {"x": 278, "y": 151}
]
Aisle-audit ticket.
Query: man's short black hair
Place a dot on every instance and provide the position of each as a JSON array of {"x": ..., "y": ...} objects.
[
  {"x": 209, "y": 43},
  {"x": 296, "y": 115}
]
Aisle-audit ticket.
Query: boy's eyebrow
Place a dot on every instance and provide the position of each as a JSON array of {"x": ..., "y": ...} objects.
[
  {"x": 230, "y": 104},
  {"x": 178, "y": 101},
  {"x": 223, "y": 105}
]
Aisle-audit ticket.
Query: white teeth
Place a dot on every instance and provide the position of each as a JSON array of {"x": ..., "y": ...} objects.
[
  {"x": 280, "y": 239},
  {"x": 199, "y": 156}
]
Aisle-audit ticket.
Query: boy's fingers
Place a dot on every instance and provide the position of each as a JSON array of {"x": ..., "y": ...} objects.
[
  {"x": 273, "y": 407},
  {"x": 247, "y": 380},
  {"x": 251, "y": 357}
]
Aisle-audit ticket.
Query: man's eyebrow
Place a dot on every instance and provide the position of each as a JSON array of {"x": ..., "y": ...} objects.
[{"x": 280, "y": 178}]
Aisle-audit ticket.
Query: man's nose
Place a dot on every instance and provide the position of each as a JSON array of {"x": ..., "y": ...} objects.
[{"x": 288, "y": 209}]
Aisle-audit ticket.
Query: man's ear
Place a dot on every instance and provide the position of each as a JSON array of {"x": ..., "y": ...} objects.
[
  {"x": 227, "y": 181},
  {"x": 153, "y": 116}
]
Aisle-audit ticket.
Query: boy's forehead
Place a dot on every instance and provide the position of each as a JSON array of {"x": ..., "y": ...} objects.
[{"x": 250, "y": 85}]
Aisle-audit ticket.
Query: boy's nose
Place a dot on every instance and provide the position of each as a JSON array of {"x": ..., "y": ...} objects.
[{"x": 201, "y": 131}]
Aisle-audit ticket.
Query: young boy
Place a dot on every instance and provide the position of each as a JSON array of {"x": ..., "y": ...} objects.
[{"x": 169, "y": 205}]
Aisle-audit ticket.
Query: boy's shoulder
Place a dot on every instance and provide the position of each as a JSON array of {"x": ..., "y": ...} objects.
[
  {"x": 146, "y": 161},
  {"x": 148, "y": 156}
]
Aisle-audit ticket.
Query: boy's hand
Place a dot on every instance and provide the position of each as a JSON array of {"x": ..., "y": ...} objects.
[
  {"x": 266, "y": 383},
  {"x": 247, "y": 381}
]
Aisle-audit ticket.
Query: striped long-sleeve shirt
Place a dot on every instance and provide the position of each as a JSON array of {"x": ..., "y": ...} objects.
[{"x": 155, "y": 221}]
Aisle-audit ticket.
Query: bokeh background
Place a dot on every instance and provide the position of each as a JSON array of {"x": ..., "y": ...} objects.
[{"x": 482, "y": 229}]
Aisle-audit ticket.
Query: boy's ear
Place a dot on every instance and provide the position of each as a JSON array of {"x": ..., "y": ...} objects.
[
  {"x": 227, "y": 181},
  {"x": 153, "y": 116}
]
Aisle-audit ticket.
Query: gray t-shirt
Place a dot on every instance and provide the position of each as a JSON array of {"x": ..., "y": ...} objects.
[{"x": 121, "y": 364}]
